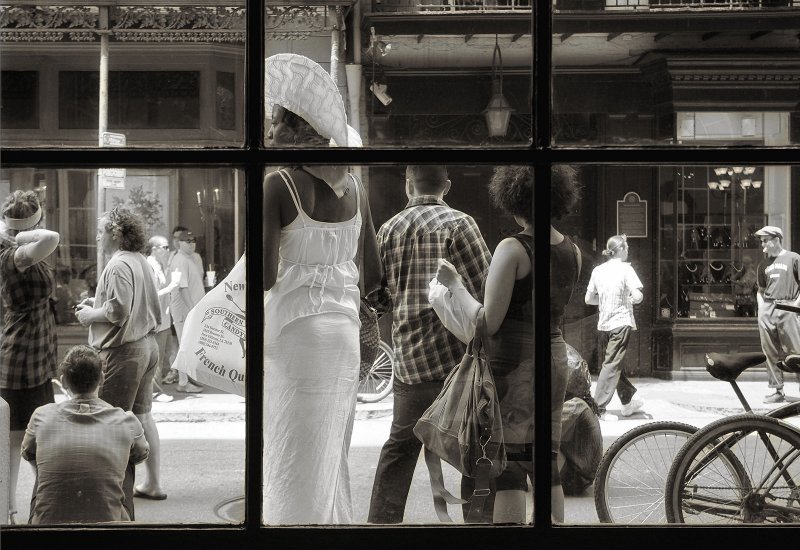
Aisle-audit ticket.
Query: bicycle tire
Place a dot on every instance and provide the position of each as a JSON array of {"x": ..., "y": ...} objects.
[
  {"x": 785, "y": 411},
  {"x": 696, "y": 490},
  {"x": 376, "y": 384},
  {"x": 646, "y": 450}
]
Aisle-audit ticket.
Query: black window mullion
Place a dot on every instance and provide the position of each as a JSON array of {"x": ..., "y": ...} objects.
[{"x": 254, "y": 139}]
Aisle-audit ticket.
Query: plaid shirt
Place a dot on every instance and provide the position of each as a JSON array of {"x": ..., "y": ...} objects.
[
  {"x": 28, "y": 339},
  {"x": 410, "y": 245}
]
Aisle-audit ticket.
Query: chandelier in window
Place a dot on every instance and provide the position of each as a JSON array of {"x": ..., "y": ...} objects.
[{"x": 740, "y": 175}]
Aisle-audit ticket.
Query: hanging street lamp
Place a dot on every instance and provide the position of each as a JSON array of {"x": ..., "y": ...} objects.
[{"x": 498, "y": 111}]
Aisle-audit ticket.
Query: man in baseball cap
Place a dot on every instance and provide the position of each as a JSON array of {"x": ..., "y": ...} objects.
[{"x": 778, "y": 281}]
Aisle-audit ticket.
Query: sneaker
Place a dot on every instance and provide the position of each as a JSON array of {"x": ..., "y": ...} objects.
[
  {"x": 608, "y": 417},
  {"x": 777, "y": 397},
  {"x": 189, "y": 388},
  {"x": 631, "y": 407}
]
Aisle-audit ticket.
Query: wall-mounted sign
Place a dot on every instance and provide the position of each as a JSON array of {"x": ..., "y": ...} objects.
[
  {"x": 632, "y": 215},
  {"x": 111, "y": 178}
]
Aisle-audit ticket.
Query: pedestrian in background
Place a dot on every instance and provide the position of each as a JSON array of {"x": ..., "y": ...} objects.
[
  {"x": 411, "y": 244},
  {"x": 614, "y": 287},
  {"x": 81, "y": 448},
  {"x": 185, "y": 295},
  {"x": 122, "y": 319},
  {"x": 778, "y": 280},
  {"x": 317, "y": 224},
  {"x": 158, "y": 251},
  {"x": 28, "y": 347}
]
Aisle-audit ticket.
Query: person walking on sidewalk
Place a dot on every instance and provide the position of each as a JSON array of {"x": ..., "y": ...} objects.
[
  {"x": 411, "y": 244},
  {"x": 778, "y": 280},
  {"x": 614, "y": 287},
  {"x": 186, "y": 295}
]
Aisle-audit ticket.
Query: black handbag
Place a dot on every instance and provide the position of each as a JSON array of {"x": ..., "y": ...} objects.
[{"x": 464, "y": 428}]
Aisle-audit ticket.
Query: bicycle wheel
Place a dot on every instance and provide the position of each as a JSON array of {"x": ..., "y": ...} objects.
[
  {"x": 741, "y": 469},
  {"x": 630, "y": 480},
  {"x": 376, "y": 383}
]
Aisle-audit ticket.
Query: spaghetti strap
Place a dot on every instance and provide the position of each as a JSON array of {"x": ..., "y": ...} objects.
[
  {"x": 358, "y": 195},
  {"x": 287, "y": 179}
]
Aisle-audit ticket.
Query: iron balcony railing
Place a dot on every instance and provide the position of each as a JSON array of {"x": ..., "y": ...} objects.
[
  {"x": 451, "y": 6},
  {"x": 673, "y": 5}
]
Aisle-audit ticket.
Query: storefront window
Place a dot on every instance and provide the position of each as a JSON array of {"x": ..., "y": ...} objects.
[{"x": 709, "y": 253}]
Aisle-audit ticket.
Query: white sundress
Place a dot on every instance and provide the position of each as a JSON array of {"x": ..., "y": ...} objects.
[{"x": 311, "y": 364}]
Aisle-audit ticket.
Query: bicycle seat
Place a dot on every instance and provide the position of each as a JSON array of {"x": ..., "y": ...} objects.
[
  {"x": 728, "y": 366},
  {"x": 790, "y": 363}
]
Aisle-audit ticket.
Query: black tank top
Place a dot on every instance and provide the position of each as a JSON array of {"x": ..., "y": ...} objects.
[
  {"x": 521, "y": 306},
  {"x": 563, "y": 276}
]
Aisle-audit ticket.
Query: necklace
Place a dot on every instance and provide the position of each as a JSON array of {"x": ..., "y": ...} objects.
[
  {"x": 690, "y": 269},
  {"x": 712, "y": 266}
]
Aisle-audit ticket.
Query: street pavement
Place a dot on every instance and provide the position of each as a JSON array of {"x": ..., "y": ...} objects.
[{"x": 203, "y": 450}]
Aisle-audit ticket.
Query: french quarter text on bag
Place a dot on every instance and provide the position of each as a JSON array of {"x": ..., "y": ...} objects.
[{"x": 220, "y": 370}]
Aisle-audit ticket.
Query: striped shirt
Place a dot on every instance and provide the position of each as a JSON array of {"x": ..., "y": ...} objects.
[
  {"x": 410, "y": 246},
  {"x": 613, "y": 282}
]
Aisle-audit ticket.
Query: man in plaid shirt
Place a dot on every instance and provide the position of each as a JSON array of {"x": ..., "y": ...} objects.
[{"x": 410, "y": 245}]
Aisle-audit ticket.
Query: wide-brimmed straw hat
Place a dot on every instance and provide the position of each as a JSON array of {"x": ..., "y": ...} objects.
[{"x": 302, "y": 86}]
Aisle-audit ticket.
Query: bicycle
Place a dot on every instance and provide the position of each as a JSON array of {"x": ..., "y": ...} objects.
[
  {"x": 375, "y": 382},
  {"x": 631, "y": 479},
  {"x": 740, "y": 469}
]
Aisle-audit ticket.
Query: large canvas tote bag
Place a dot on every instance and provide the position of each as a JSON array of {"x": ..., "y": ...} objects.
[{"x": 212, "y": 349}]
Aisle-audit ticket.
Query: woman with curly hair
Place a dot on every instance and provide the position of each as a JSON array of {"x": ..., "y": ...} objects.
[
  {"x": 122, "y": 320},
  {"x": 28, "y": 333},
  {"x": 508, "y": 309}
]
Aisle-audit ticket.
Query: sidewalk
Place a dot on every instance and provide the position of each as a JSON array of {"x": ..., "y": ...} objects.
[{"x": 664, "y": 400}]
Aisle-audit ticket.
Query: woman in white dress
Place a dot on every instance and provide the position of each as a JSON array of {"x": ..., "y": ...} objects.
[{"x": 313, "y": 218}]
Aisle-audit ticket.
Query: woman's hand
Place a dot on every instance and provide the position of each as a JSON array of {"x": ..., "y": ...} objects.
[{"x": 446, "y": 273}]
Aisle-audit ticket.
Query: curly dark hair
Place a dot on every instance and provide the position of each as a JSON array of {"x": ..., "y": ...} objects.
[
  {"x": 81, "y": 369},
  {"x": 304, "y": 133},
  {"x": 20, "y": 204},
  {"x": 565, "y": 190},
  {"x": 127, "y": 227},
  {"x": 511, "y": 189}
]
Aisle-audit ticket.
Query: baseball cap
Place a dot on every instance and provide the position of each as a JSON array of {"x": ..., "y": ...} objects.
[
  {"x": 770, "y": 231},
  {"x": 185, "y": 235}
]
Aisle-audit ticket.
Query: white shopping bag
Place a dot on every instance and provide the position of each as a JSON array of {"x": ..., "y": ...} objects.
[
  {"x": 212, "y": 349},
  {"x": 456, "y": 308}
]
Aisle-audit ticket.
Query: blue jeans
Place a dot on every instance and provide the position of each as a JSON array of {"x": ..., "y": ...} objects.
[{"x": 400, "y": 453}]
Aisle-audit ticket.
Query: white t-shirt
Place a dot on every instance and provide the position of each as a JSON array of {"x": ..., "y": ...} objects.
[{"x": 613, "y": 282}]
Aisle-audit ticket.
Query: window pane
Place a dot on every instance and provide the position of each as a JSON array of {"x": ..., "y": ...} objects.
[
  {"x": 691, "y": 243},
  {"x": 414, "y": 74},
  {"x": 639, "y": 72},
  {"x": 202, "y": 447},
  {"x": 20, "y": 99},
  {"x": 328, "y": 455},
  {"x": 175, "y": 75}
]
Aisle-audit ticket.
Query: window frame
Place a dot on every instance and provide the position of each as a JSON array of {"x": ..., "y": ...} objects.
[{"x": 252, "y": 158}]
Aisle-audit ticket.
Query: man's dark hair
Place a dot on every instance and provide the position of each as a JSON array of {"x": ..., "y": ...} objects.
[
  {"x": 82, "y": 369},
  {"x": 429, "y": 179},
  {"x": 178, "y": 228}
]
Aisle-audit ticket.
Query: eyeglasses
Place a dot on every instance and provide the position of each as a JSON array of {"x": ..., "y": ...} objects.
[
  {"x": 189, "y": 240},
  {"x": 163, "y": 246}
]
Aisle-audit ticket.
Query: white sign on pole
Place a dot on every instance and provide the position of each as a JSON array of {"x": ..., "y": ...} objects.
[
  {"x": 111, "y": 139},
  {"x": 112, "y": 178}
]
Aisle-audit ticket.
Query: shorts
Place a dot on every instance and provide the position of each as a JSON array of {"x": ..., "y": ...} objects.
[
  {"x": 129, "y": 371},
  {"x": 24, "y": 401}
]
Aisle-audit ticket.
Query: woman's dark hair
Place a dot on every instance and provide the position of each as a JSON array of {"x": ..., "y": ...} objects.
[
  {"x": 82, "y": 369},
  {"x": 305, "y": 134},
  {"x": 20, "y": 204},
  {"x": 127, "y": 227},
  {"x": 565, "y": 191},
  {"x": 511, "y": 188}
]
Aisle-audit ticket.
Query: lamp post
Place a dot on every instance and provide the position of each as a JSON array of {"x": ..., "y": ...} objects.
[{"x": 498, "y": 111}]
